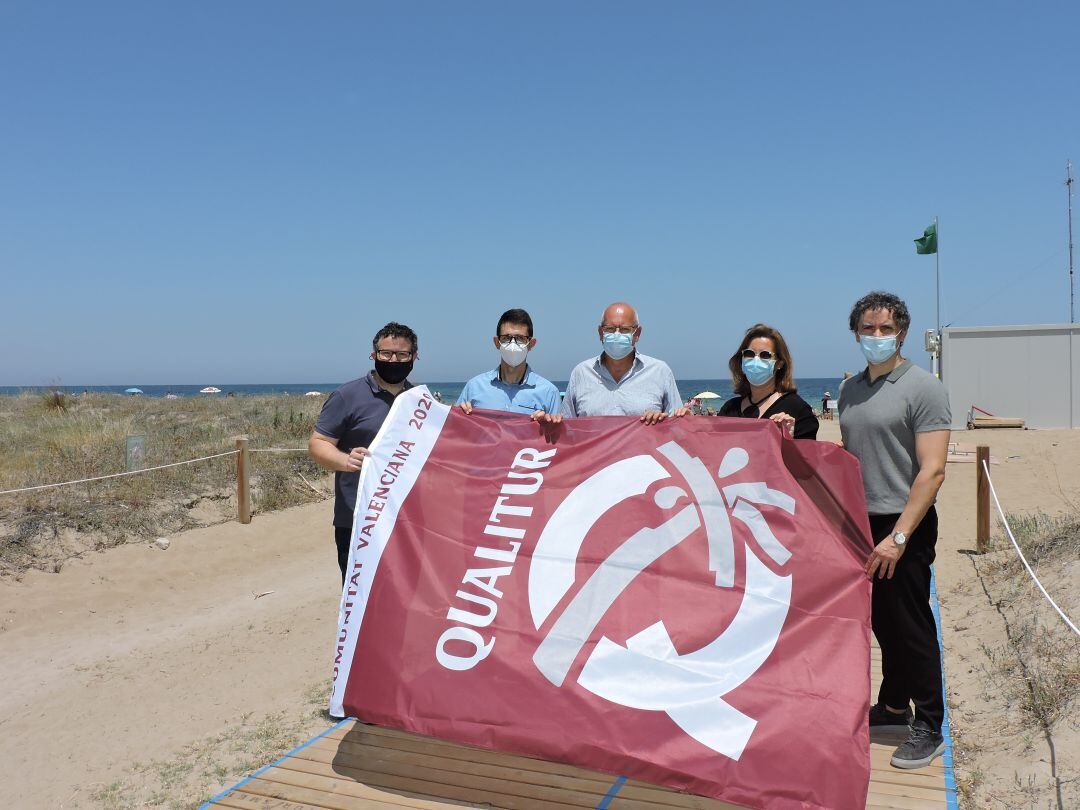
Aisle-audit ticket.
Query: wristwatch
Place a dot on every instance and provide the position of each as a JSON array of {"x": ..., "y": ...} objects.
[{"x": 899, "y": 538}]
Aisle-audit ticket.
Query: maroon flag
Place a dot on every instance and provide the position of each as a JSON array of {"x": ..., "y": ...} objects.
[{"x": 681, "y": 603}]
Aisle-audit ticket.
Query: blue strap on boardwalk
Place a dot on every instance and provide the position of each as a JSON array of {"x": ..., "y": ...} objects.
[
  {"x": 947, "y": 757},
  {"x": 610, "y": 795},
  {"x": 247, "y": 779}
]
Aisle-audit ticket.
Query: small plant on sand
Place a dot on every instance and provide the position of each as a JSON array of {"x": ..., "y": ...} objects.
[
  {"x": 968, "y": 784},
  {"x": 113, "y": 797}
]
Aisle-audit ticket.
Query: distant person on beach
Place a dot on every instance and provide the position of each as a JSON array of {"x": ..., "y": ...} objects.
[
  {"x": 764, "y": 383},
  {"x": 621, "y": 381},
  {"x": 512, "y": 385},
  {"x": 350, "y": 418},
  {"x": 825, "y": 412},
  {"x": 895, "y": 418}
]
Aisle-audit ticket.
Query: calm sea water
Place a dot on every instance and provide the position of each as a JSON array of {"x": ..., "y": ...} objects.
[{"x": 810, "y": 389}]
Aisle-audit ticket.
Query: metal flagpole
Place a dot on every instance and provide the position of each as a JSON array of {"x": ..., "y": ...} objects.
[
  {"x": 937, "y": 271},
  {"x": 937, "y": 282}
]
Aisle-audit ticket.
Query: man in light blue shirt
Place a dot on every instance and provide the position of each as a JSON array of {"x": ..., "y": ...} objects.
[
  {"x": 513, "y": 386},
  {"x": 621, "y": 381}
]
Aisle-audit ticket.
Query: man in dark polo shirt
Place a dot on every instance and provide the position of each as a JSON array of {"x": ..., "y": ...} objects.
[
  {"x": 352, "y": 416},
  {"x": 894, "y": 417}
]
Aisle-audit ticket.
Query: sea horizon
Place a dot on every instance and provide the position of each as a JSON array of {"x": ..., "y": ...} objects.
[{"x": 810, "y": 388}]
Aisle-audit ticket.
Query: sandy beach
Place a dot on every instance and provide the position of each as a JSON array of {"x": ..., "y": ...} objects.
[
  {"x": 233, "y": 230},
  {"x": 140, "y": 677}
]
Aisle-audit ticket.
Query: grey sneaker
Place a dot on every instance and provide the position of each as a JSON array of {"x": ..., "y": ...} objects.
[
  {"x": 922, "y": 747},
  {"x": 881, "y": 719}
]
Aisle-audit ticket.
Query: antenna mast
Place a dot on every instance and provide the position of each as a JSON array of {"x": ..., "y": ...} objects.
[{"x": 1068, "y": 195}]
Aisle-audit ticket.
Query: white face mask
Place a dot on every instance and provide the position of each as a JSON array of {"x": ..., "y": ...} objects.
[{"x": 513, "y": 355}]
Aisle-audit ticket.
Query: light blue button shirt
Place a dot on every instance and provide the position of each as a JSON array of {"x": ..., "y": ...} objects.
[
  {"x": 649, "y": 385},
  {"x": 534, "y": 393}
]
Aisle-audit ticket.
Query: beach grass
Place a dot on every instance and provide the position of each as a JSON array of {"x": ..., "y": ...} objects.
[
  {"x": 1035, "y": 668},
  {"x": 52, "y": 437},
  {"x": 1040, "y": 663}
]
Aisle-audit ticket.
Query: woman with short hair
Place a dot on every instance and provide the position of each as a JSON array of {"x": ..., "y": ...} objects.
[{"x": 762, "y": 373}]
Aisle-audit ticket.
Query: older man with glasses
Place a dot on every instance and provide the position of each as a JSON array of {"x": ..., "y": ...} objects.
[
  {"x": 352, "y": 416},
  {"x": 622, "y": 381},
  {"x": 513, "y": 385}
]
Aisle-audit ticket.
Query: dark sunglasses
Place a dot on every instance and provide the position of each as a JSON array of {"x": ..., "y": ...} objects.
[{"x": 750, "y": 354}]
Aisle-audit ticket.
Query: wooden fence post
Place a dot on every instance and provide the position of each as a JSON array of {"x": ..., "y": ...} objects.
[
  {"x": 243, "y": 484},
  {"x": 982, "y": 500}
]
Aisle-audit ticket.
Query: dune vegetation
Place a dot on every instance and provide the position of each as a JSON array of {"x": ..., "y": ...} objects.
[{"x": 54, "y": 437}]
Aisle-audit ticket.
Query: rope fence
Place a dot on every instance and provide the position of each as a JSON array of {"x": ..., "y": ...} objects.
[
  {"x": 117, "y": 475},
  {"x": 243, "y": 483},
  {"x": 1023, "y": 559}
]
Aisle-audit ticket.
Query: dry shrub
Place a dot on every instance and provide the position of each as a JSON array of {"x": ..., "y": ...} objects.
[{"x": 56, "y": 401}]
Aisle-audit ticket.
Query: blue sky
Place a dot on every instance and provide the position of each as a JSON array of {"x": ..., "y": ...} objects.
[{"x": 245, "y": 192}]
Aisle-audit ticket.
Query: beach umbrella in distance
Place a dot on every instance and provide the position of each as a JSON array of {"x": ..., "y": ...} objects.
[
  {"x": 707, "y": 395},
  {"x": 313, "y": 394},
  {"x": 210, "y": 390},
  {"x": 132, "y": 390}
]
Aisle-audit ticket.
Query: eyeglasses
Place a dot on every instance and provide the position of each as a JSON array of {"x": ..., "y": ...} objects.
[
  {"x": 390, "y": 356},
  {"x": 622, "y": 330},
  {"x": 520, "y": 340},
  {"x": 750, "y": 354}
]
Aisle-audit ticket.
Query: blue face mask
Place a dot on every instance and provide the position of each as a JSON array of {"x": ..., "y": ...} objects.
[
  {"x": 617, "y": 346},
  {"x": 877, "y": 350},
  {"x": 758, "y": 371}
]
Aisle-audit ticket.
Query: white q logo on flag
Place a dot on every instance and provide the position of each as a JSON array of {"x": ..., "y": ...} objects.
[{"x": 648, "y": 673}]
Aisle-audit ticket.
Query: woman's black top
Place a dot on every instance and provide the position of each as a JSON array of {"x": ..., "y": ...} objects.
[{"x": 806, "y": 423}]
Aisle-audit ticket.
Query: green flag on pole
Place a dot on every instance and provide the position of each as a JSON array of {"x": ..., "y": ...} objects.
[{"x": 927, "y": 243}]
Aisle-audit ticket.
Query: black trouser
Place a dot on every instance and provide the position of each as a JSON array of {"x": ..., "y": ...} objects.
[
  {"x": 342, "y": 536},
  {"x": 904, "y": 624}
]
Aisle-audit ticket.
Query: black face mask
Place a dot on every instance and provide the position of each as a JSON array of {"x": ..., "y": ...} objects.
[{"x": 393, "y": 372}]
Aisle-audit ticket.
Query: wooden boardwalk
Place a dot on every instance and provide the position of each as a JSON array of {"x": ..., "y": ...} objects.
[{"x": 360, "y": 766}]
